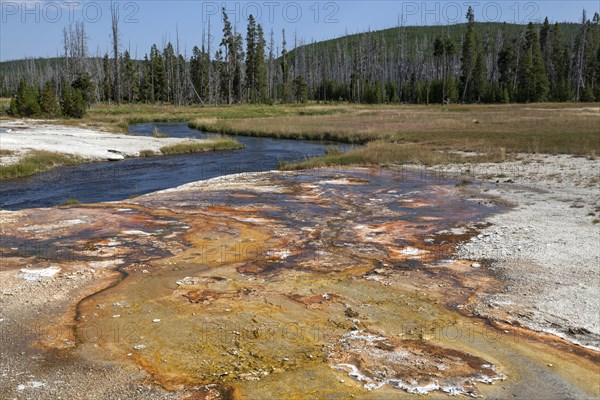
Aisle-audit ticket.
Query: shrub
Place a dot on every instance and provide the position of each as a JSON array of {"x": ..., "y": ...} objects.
[
  {"x": 48, "y": 102},
  {"x": 72, "y": 102},
  {"x": 25, "y": 102}
]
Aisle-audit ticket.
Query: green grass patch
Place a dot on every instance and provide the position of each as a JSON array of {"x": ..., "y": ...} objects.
[
  {"x": 37, "y": 161},
  {"x": 213, "y": 145},
  {"x": 6, "y": 152},
  {"x": 71, "y": 202}
]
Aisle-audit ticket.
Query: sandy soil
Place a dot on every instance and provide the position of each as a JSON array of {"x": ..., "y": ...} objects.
[
  {"x": 546, "y": 248},
  {"x": 21, "y": 137}
]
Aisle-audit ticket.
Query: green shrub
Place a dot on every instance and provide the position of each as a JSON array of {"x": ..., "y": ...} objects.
[
  {"x": 72, "y": 102},
  {"x": 25, "y": 102}
]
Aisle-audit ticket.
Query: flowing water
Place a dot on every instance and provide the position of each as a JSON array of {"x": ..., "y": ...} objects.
[{"x": 112, "y": 181}]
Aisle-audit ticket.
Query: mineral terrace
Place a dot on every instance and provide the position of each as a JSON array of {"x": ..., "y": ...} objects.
[{"x": 326, "y": 284}]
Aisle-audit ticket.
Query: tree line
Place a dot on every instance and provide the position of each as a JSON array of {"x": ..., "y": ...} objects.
[{"x": 469, "y": 63}]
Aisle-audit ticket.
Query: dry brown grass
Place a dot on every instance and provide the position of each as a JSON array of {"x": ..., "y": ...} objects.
[
  {"x": 552, "y": 128},
  {"x": 221, "y": 144},
  {"x": 420, "y": 133},
  {"x": 384, "y": 153}
]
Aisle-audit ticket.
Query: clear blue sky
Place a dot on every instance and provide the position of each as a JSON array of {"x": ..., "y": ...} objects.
[{"x": 33, "y": 28}]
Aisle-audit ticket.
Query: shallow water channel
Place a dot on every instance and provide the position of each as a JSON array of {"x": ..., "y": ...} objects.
[{"x": 112, "y": 181}]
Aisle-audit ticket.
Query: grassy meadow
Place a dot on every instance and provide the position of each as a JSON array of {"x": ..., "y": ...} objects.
[{"x": 392, "y": 133}]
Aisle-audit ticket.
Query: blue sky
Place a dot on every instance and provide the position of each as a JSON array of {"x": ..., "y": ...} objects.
[{"x": 33, "y": 28}]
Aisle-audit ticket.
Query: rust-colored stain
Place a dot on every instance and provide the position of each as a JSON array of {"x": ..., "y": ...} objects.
[{"x": 235, "y": 289}]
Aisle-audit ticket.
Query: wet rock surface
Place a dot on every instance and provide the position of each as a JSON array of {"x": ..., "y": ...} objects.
[{"x": 272, "y": 285}]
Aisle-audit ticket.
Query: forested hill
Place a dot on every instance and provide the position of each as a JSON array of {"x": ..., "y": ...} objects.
[
  {"x": 419, "y": 64},
  {"x": 414, "y": 34},
  {"x": 471, "y": 62}
]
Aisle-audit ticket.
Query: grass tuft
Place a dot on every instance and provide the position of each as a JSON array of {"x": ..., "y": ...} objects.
[
  {"x": 71, "y": 202},
  {"x": 37, "y": 161},
  {"x": 147, "y": 153},
  {"x": 157, "y": 134},
  {"x": 189, "y": 148}
]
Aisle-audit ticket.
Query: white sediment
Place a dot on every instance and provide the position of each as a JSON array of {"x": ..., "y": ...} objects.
[
  {"x": 85, "y": 143},
  {"x": 547, "y": 247},
  {"x": 38, "y": 273}
]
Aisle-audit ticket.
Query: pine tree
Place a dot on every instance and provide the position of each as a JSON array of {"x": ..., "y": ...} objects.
[
  {"x": 589, "y": 61},
  {"x": 261, "y": 66},
  {"x": 558, "y": 72},
  {"x": 158, "y": 76},
  {"x": 544, "y": 39},
  {"x": 25, "y": 103},
  {"x": 469, "y": 56},
  {"x": 84, "y": 84},
  {"x": 300, "y": 90},
  {"x": 229, "y": 44},
  {"x": 146, "y": 90},
  {"x": 131, "y": 78},
  {"x": 525, "y": 77},
  {"x": 507, "y": 69},
  {"x": 48, "y": 101},
  {"x": 205, "y": 69},
  {"x": 595, "y": 58},
  {"x": 479, "y": 77},
  {"x": 223, "y": 81},
  {"x": 449, "y": 91},
  {"x": 198, "y": 72},
  {"x": 540, "y": 78},
  {"x": 285, "y": 70},
  {"x": 72, "y": 103},
  {"x": 169, "y": 59},
  {"x": 106, "y": 80},
  {"x": 238, "y": 61},
  {"x": 251, "y": 48},
  {"x": 533, "y": 81}
]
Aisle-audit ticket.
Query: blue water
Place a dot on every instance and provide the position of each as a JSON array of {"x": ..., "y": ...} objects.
[{"x": 112, "y": 181}]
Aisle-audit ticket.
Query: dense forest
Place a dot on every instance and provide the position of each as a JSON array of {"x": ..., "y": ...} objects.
[{"x": 470, "y": 63}]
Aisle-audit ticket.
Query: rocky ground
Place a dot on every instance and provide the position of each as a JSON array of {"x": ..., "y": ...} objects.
[
  {"x": 546, "y": 248},
  {"x": 23, "y": 136}
]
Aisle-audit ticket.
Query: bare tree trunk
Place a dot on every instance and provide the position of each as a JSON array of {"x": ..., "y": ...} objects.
[{"x": 114, "y": 12}]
